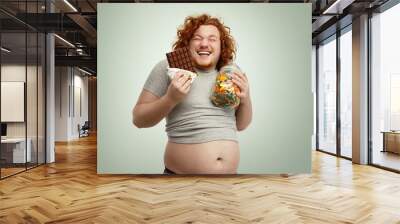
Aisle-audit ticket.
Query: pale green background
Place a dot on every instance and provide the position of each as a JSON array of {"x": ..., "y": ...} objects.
[{"x": 274, "y": 49}]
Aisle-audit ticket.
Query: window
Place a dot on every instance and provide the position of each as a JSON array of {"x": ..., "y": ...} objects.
[
  {"x": 327, "y": 96},
  {"x": 385, "y": 88},
  {"x": 346, "y": 93}
]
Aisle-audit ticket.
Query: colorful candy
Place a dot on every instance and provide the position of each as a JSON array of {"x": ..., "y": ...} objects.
[{"x": 225, "y": 91}]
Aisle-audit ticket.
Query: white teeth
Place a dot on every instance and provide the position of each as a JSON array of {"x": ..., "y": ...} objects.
[{"x": 203, "y": 53}]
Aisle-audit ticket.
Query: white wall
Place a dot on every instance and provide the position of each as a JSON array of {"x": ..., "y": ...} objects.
[
  {"x": 12, "y": 73},
  {"x": 68, "y": 83},
  {"x": 80, "y": 83},
  {"x": 62, "y": 81}
]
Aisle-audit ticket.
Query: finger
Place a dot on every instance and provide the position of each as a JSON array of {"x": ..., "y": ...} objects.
[
  {"x": 238, "y": 81},
  {"x": 182, "y": 79},
  {"x": 187, "y": 87},
  {"x": 186, "y": 84},
  {"x": 178, "y": 75},
  {"x": 243, "y": 77},
  {"x": 239, "y": 76},
  {"x": 240, "y": 84}
]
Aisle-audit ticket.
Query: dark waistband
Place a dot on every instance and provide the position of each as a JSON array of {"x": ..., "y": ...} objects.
[{"x": 168, "y": 171}]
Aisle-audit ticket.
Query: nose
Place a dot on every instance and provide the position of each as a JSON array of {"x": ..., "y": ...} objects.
[{"x": 204, "y": 42}]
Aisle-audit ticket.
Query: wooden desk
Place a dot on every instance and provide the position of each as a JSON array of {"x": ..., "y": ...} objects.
[
  {"x": 391, "y": 141},
  {"x": 13, "y": 150}
]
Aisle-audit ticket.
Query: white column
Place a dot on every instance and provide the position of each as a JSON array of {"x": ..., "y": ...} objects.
[
  {"x": 360, "y": 90},
  {"x": 50, "y": 110},
  {"x": 50, "y": 91}
]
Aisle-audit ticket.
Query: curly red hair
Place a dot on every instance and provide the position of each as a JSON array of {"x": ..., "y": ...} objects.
[{"x": 192, "y": 23}]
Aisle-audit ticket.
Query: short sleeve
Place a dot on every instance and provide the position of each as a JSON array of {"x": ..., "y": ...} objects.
[{"x": 158, "y": 80}]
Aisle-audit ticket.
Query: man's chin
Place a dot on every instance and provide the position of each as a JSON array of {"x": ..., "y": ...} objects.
[{"x": 204, "y": 65}]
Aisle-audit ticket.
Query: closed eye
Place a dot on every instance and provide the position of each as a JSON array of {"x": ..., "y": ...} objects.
[{"x": 197, "y": 38}]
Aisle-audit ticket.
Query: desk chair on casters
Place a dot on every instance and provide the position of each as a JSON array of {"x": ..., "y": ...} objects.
[{"x": 84, "y": 130}]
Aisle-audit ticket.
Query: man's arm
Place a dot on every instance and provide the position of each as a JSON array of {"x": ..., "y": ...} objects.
[
  {"x": 244, "y": 114},
  {"x": 151, "y": 109}
]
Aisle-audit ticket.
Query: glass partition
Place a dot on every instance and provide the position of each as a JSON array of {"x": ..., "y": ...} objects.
[
  {"x": 22, "y": 77},
  {"x": 327, "y": 96},
  {"x": 13, "y": 108}
]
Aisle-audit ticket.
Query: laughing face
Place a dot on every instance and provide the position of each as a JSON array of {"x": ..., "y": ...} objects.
[{"x": 205, "y": 47}]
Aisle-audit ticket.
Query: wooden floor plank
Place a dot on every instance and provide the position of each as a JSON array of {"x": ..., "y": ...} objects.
[{"x": 70, "y": 191}]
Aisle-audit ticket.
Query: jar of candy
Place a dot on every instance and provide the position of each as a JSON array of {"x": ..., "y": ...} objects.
[{"x": 225, "y": 91}]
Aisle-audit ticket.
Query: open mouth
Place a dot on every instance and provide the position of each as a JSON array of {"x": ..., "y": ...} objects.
[{"x": 204, "y": 53}]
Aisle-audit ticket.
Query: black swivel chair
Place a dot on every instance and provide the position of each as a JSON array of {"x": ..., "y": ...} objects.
[{"x": 84, "y": 130}]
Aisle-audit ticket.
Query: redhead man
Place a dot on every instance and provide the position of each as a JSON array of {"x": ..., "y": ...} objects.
[{"x": 201, "y": 137}]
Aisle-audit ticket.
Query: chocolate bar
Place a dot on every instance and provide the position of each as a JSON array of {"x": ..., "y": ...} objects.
[{"x": 180, "y": 58}]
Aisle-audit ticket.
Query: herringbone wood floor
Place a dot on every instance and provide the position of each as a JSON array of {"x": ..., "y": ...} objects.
[{"x": 70, "y": 191}]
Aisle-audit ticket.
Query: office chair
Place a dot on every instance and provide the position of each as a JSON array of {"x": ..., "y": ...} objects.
[{"x": 84, "y": 130}]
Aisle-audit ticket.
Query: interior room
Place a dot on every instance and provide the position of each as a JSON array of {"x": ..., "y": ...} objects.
[{"x": 49, "y": 154}]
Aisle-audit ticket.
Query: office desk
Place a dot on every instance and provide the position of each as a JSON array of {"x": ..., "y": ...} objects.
[
  {"x": 391, "y": 141},
  {"x": 13, "y": 150}
]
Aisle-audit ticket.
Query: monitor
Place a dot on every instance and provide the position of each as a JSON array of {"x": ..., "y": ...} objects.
[{"x": 3, "y": 129}]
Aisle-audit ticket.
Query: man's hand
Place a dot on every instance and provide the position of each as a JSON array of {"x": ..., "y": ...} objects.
[
  {"x": 244, "y": 112},
  {"x": 179, "y": 87},
  {"x": 242, "y": 82}
]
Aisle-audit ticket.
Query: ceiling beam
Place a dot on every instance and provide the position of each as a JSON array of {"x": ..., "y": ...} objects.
[
  {"x": 85, "y": 61},
  {"x": 337, "y": 6}
]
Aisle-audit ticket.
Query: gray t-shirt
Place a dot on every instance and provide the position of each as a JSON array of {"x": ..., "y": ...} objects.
[{"x": 195, "y": 119}]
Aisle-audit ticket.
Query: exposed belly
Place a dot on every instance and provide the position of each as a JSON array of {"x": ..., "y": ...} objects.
[{"x": 215, "y": 157}]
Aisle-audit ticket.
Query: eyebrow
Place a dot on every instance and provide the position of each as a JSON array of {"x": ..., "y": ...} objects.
[{"x": 212, "y": 35}]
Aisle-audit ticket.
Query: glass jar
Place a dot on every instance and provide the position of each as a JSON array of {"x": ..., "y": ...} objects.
[{"x": 225, "y": 91}]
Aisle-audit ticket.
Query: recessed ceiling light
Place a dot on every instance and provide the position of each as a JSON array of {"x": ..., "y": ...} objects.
[
  {"x": 5, "y": 50},
  {"x": 71, "y": 6},
  {"x": 84, "y": 71},
  {"x": 64, "y": 40},
  {"x": 338, "y": 6}
]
